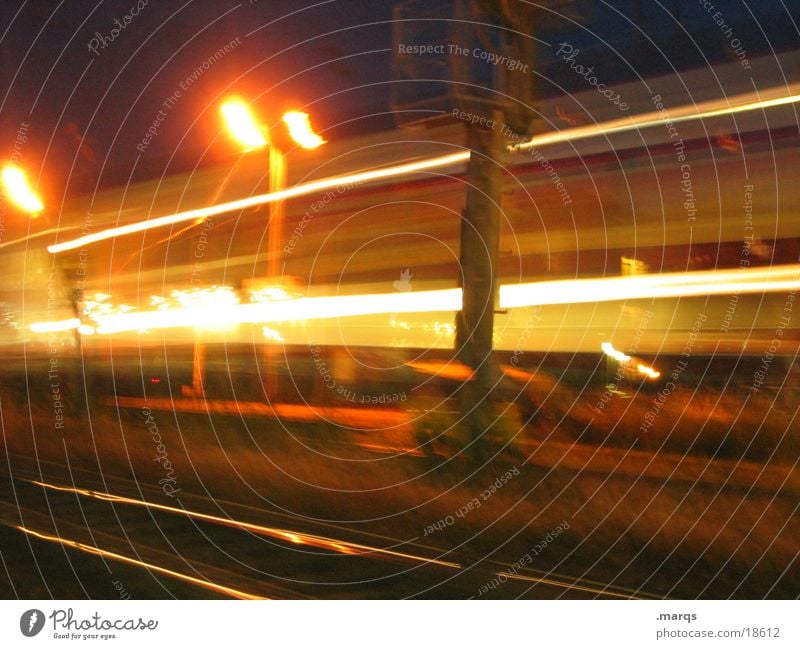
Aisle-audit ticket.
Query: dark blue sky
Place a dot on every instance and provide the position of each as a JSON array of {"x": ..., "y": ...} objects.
[{"x": 88, "y": 110}]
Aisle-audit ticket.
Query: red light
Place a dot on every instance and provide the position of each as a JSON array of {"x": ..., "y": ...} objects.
[{"x": 155, "y": 379}]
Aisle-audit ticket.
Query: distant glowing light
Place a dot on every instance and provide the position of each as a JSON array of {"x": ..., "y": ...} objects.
[
  {"x": 86, "y": 330},
  {"x": 269, "y": 294},
  {"x": 649, "y": 372},
  {"x": 273, "y": 334},
  {"x": 300, "y": 130},
  {"x": 617, "y": 355},
  {"x": 18, "y": 190},
  {"x": 55, "y": 326},
  {"x": 242, "y": 125}
]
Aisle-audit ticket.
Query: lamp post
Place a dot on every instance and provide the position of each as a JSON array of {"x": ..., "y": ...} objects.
[{"x": 252, "y": 135}]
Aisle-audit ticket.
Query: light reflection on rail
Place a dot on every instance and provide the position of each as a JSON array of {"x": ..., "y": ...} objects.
[
  {"x": 91, "y": 549},
  {"x": 298, "y": 538}
]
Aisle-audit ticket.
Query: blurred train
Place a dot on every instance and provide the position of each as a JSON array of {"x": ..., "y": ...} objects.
[{"x": 677, "y": 196}]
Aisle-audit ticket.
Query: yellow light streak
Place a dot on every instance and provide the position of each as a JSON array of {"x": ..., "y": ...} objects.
[
  {"x": 298, "y": 538},
  {"x": 706, "y": 110},
  {"x": 91, "y": 549},
  {"x": 55, "y": 326},
  {"x": 18, "y": 190},
  {"x": 263, "y": 199},
  {"x": 220, "y": 307},
  {"x": 300, "y": 130},
  {"x": 242, "y": 125},
  {"x": 609, "y": 289}
]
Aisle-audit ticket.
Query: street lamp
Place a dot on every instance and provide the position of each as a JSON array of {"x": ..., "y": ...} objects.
[
  {"x": 252, "y": 135},
  {"x": 18, "y": 190}
]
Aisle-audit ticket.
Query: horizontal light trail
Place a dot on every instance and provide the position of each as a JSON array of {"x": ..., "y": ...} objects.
[
  {"x": 572, "y": 291},
  {"x": 263, "y": 199},
  {"x": 664, "y": 285},
  {"x": 706, "y": 110},
  {"x": 55, "y": 326},
  {"x": 299, "y": 538},
  {"x": 311, "y": 308},
  {"x": 91, "y": 549},
  {"x": 742, "y": 103}
]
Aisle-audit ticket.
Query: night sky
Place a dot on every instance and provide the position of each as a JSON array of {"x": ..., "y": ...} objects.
[
  {"x": 85, "y": 113},
  {"x": 84, "y": 81}
]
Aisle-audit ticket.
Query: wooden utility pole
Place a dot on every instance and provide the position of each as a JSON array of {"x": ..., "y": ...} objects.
[
  {"x": 487, "y": 52},
  {"x": 480, "y": 238}
]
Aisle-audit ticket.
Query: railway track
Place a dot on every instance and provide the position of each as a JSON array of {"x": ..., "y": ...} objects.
[{"x": 93, "y": 527}]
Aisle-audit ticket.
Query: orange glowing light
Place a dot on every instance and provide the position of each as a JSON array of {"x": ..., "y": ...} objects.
[
  {"x": 617, "y": 355},
  {"x": 16, "y": 187},
  {"x": 242, "y": 125},
  {"x": 300, "y": 130},
  {"x": 649, "y": 372}
]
